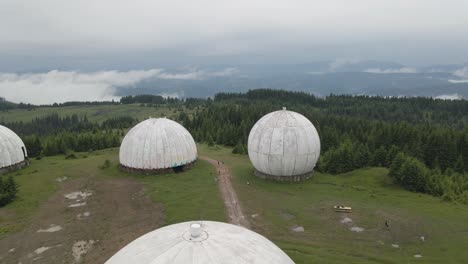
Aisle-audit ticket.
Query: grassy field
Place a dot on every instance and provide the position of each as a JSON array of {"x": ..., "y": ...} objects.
[
  {"x": 278, "y": 207},
  {"x": 185, "y": 196},
  {"x": 96, "y": 113}
]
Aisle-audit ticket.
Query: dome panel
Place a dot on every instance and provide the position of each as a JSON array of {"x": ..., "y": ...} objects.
[
  {"x": 12, "y": 149},
  {"x": 157, "y": 143},
  {"x": 290, "y": 143},
  {"x": 216, "y": 243}
]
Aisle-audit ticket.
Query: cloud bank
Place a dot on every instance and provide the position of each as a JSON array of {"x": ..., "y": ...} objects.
[
  {"x": 62, "y": 86},
  {"x": 392, "y": 71}
]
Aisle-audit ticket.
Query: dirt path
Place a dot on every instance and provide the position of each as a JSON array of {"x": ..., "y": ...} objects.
[
  {"x": 86, "y": 221},
  {"x": 228, "y": 193}
]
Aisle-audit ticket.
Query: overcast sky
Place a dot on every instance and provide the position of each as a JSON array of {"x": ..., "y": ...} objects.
[
  {"x": 121, "y": 34},
  {"x": 84, "y": 49}
]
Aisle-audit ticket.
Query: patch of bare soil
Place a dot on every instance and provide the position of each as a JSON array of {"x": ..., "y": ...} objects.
[
  {"x": 115, "y": 214},
  {"x": 231, "y": 201}
]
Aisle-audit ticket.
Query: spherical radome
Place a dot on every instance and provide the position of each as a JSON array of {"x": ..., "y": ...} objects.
[
  {"x": 157, "y": 143},
  {"x": 284, "y": 144},
  {"x": 12, "y": 149},
  {"x": 204, "y": 242}
]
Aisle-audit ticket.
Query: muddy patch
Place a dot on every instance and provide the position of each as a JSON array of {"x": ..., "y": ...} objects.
[
  {"x": 111, "y": 199},
  {"x": 80, "y": 248}
]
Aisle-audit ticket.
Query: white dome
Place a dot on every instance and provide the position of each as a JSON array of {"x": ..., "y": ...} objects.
[
  {"x": 201, "y": 243},
  {"x": 12, "y": 149},
  {"x": 284, "y": 143},
  {"x": 157, "y": 143}
]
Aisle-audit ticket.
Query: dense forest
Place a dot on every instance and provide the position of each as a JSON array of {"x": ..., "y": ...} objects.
[{"x": 423, "y": 141}]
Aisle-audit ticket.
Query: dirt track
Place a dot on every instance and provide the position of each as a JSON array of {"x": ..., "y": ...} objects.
[
  {"x": 233, "y": 208},
  {"x": 116, "y": 212}
]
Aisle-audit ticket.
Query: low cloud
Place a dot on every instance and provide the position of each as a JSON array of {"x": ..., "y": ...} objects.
[
  {"x": 392, "y": 71},
  {"x": 340, "y": 63},
  {"x": 462, "y": 73},
  {"x": 457, "y": 81},
  {"x": 62, "y": 86},
  {"x": 454, "y": 96}
]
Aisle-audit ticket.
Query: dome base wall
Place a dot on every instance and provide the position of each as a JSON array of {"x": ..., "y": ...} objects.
[
  {"x": 295, "y": 178},
  {"x": 157, "y": 171},
  {"x": 14, "y": 167}
]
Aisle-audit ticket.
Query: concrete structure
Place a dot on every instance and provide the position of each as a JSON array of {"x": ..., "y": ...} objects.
[
  {"x": 157, "y": 145},
  {"x": 201, "y": 243},
  {"x": 284, "y": 146},
  {"x": 13, "y": 153}
]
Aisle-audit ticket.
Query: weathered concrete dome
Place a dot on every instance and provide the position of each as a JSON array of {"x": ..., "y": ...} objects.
[
  {"x": 284, "y": 145},
  {"x": 201, "y": 243},
  {"x": 157, "y": 144},
  {"x": 13, "y": 152}
]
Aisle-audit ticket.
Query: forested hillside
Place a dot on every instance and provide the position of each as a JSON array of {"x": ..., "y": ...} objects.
[
  {"x": 428, "y": 138},
  {"x": 423, "y": 141}
]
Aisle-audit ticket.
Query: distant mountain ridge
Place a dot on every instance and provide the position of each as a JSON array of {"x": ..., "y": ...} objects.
[{"x": 322, "y": 78}]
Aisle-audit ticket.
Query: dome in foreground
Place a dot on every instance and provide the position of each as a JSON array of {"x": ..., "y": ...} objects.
[
  {"x": 157, "y": 144},
  {"x": 201, "y": 243},
  {"x": 284, "y": 145},
  {"x": 12, "y": 149}
]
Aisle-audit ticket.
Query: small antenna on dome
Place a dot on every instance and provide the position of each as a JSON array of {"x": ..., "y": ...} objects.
[
  {"x": 284, "y": 108},
  {"x": 195, "y": 230}
]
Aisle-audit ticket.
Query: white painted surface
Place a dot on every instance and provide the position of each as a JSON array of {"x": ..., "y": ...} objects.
[
  {"x": 157, "y": 143},
  {"x": 284, "y": 143},
  {"x": 10, "y": 148},
  {"x": 220, "y": 243}
]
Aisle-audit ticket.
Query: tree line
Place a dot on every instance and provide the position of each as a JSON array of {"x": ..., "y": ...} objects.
[
  {"x": 356, "y": 132},
  {"x": 52, "y": 134}
]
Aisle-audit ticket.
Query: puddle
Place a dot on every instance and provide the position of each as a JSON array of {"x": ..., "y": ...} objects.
[
  {"x": 76, "y": 195},
  {"x": 83, "y": 215},
  {"x": 346, "y": 220},
  {"x": 51, "y": 229},
  {"x": 77, "y": 205},
  {"x": 61, "y": 179},
  {"x": 41, "y": 250}
]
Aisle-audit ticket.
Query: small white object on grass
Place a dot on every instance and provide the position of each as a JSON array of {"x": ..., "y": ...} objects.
[
  {"x": 356, "y": 229},
  {"x": 298, "y": 229},
  {"x": 418, "y": 256}
]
